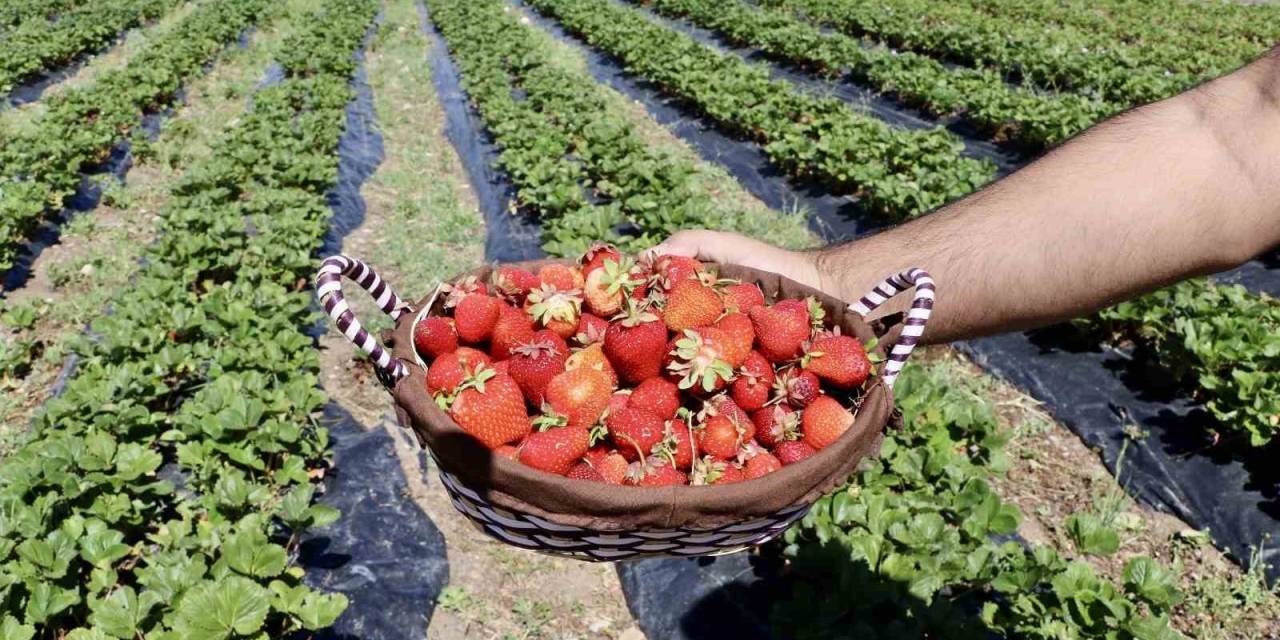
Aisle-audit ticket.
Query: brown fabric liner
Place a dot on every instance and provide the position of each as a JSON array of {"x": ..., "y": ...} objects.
[{"x": 603, "y": 507}]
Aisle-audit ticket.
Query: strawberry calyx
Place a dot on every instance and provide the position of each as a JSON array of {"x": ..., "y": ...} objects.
[
  {"x": 706, "y": 470},
  {"x": 548, "y": 304},
  {"x": 476, "y": 378},
  {"x": 634, "y": 315},
  {"x": 817, "y": 314},
  {"x": 699, "y": 362},
  {"x": 549, "y": 419},
  {"x": 456, "y": 291},
  {"x": 535, "y": 348}
]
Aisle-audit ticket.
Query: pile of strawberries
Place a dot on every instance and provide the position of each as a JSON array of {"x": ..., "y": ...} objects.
[{"x": 652, "y": 373}]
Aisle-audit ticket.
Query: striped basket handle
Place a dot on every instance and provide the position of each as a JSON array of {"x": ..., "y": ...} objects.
[
  {"x": 917, "y": 316},
  {"x": 329, "y": 292}
]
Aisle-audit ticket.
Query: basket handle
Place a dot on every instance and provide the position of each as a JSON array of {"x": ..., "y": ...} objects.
[
  {"x": 917, "y": 316},
  {"x": 329, "y": 292}
]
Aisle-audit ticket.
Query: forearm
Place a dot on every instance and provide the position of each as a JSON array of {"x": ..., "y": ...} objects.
[{"x": 1186, "y": 186}]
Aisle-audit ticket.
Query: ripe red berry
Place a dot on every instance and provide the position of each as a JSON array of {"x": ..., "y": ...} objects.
[{"x": 434, "y": 337}]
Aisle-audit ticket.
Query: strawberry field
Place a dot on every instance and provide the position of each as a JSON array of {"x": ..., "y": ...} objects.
[{"x": 188, "y": 449}]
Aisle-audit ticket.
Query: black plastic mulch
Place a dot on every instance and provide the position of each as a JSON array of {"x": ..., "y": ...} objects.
[{"x": 384, "y": 553}]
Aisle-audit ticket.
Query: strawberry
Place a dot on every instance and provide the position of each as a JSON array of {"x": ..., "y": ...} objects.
[
  {"x": 698, "y": 360},
  {"x": 592, "y": 357},
  {"x": 743, "y": 296},
  {"x": 596, "y": 256},
  {"x": 724, "y": 405},
  {"x": 513, "y": 283},
  {"x": 475, "y": 317},
  {"x": 561, "y": 277},
  {"x": 619, "y": 401},
  {"x": 634, "y": 345},
  {"x": 514, "y": 327},
  {"x": 584, "y": 471},
  {"x": 761, "y": 463},
  {"x": 555, "y": 309},
  {"x": 579, "y": 395},
  {"x": 780, "y": 334},
  {"x": 508, "y": 451},
  {"x": 669, "y": 269},
  {"x": 606, "y": 287},
  {"x": 434, "y": 337},
  {"x": 455, "y": 292},
  {"x": 793, "y": 451},
  {"x": 676, "y": 446},
  {"x": 490, "y": 407},
  {"x": 776, "y": 425},
  {"x": 722, "y": 436},
  {"x": 502, "y": 366},
  {"x": 534, "y": 363},
  {"x": 710, "y": 470},
  {"x": 741, "y": 335},
  {"x": 591, "y": 329},
  {"x": 555, "y": 450},
  {"x": 613, "y": 468},
  {"x": 634, "y": 431},
  {"x": 797, "y": 386},
  {"x": 838, "y": 360},
  {"x": 754, "y": 384},
  {"x": 824, "y": 421},
  {"x": 797, "y": 308},
  {"x": 450, "y": 369},
  {"x": 655, "y": 473},
  {"x": 691, "y": 304},
  {"x": 657, "y": 395}
]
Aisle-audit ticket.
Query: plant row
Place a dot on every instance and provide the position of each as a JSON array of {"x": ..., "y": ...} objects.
[
  {"x": 1033, "y": 119},
  {"x": 896, "y": 173},
  {"x": 162, "y": 495},
  {"x": 40, "y": 44},
  {"x": 1060, "y": 59},
  {"x": 911, "y": 548},
  {"x": 40, "y": 169},
  {"x": 577, "y": 164},
  {"x": 1220, "y": 340},
  {"x": 16, "y": 12}
]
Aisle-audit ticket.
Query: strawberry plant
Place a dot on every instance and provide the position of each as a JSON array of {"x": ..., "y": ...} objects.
[
  {"x": 41, "y": 168},
  {"x": 16, "y": 12},
  {"x": 162, "y": 494}
]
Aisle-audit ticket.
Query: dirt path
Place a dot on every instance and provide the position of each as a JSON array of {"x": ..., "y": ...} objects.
[{"x": 74, "y": 279}]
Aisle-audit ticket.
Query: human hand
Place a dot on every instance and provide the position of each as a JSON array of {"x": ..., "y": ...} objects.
[{"x": 733, "y": 248}]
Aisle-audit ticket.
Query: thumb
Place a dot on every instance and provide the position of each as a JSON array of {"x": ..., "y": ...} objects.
[{"x": 709, "y": 246}]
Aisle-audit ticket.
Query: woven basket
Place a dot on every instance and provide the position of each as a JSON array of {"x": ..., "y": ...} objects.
[{"x": 534, "y": 510}]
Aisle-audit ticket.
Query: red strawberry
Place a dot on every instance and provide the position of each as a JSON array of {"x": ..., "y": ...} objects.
[
  {"x": 434, "y": 337},
  {"x": 669, "y": 269},
  {"x": 502, "y": 366},
  {"x": 561, "y": 277},
  {"x": 677, "y": 444},
  {"x": 655, "y": 473},
  {"x": 838, "y": 360},
  {"x": 657, "y": 395},
  {"x": 619, "y": 401},
  {"x": 797, "y": 308},
  {"x": 490, "y": 407},
  {"x": 613, "y": 468},
  {"x": 760, "y": 464},
  {"x": 691, "y": 304},
  {"x": 449, "y": 370},
  {"x": 592, "y": 357},
  {"x": 514, "y": 328},
  {"x": 555, "y": 450},
  {"x": 743, "y": 296},
  {"x": 699, "y": 362},
  {"x": 780, "y": 334},
  {"x": 741, "y": 335},
  {"x": 455, "y": 292},
  {"x": 634, "y": 431},
  {"x": 606, "y": 287},
  {"x": 476, "y": 316},
  {"x": 776, "y": 425},
  {"x": 724, "y": 405},
  {"x": 824, "y": 421},
  {"x": 754, "y": 384},
  {"x": 536, "y": 362},
  {"x": 584, "y": 471},
  {"x": 580, "y": 395},
  {"x": 513, "y": 283},
  {"x": 596, "y": 255},
  {"x": 634, "y": 346},
  {"x": 721, "y": 436},
  {"x": 508, "y": 451},
  {"x": 555, "y": 309},
  {"x": 793, "y": 451},
  {"x": 710, "y": 470},
  {"x": 591, "y": 329},
  {"x": 797, "y": 386}
]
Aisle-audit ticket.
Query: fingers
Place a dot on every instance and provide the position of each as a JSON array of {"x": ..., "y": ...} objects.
[{"x": 710, "y": 246}]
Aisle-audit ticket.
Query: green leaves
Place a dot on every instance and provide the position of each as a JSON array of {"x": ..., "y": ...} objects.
[
  {"x": 1151, "y": 582},
  {"x": 250, "y": 554},
  {"x": 1091, "y": 535},
  {"x": 233, "y": 606},
  {"x": 121, "y": 614}
]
